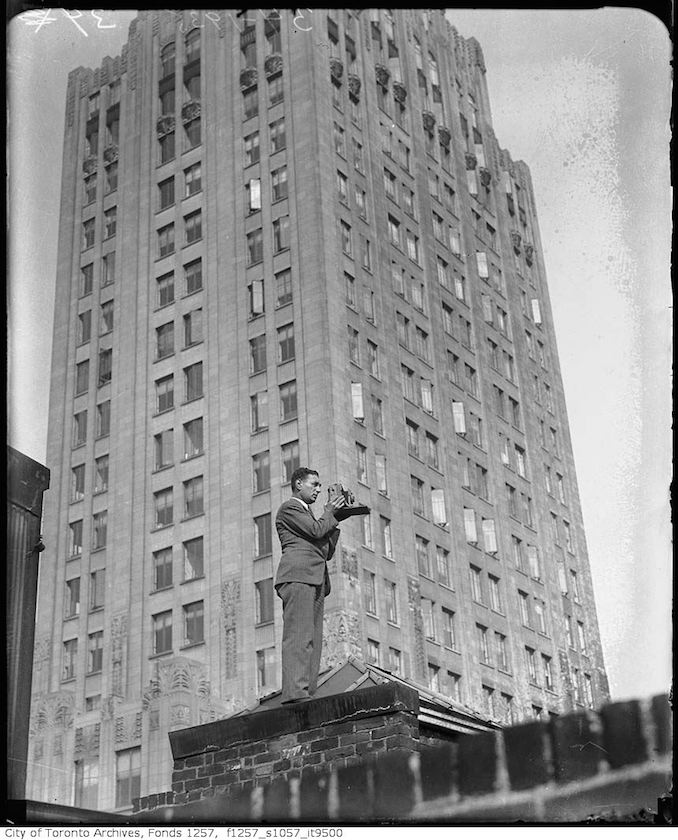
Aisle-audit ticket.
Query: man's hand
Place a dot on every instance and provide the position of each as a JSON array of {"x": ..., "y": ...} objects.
[{"x": 336, "y": 502}]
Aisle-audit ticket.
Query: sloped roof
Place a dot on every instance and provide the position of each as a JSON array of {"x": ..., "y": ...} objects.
[{"x": 435, "y": 709}]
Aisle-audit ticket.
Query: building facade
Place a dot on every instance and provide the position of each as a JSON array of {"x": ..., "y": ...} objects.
[{"x": 293, "y": 238}]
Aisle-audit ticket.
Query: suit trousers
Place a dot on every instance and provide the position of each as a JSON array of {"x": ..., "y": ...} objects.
[{"x": 303, "y": 607}]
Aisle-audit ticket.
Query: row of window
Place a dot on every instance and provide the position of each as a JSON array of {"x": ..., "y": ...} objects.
[
  {"x": 164, "y": 449},
  {"x": 285, "y": 345},
  {"x": 261, "y": 466},
  {"x": 89, "y": 227},
  {"x": 97, "y": 594},
  {"x": 193, "y": 334},
  {"x": 102, "y": 423},
  {"x": 193, "y": 502}
]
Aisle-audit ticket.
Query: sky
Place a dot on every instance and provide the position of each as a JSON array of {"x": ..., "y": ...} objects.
[{"x": 583, "y": 97}]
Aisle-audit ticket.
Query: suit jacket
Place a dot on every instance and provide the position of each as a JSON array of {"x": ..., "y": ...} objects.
[{"x": 307, "y": 544}]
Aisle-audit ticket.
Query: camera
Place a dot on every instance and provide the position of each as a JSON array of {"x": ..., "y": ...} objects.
[{"x": 351, "y": 508}]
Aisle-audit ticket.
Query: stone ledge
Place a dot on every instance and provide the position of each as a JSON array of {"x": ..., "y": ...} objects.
[{"x": 297, "y": 717}]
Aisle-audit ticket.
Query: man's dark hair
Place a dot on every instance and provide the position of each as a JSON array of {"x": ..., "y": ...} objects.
[{"x": 300, "y": 474}]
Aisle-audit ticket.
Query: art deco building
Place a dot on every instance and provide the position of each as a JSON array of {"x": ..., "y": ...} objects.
[{"x": 294, "y": 239}]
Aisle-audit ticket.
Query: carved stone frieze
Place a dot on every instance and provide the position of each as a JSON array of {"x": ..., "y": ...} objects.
[
  {"x": 53, "y": 711},
  {"x": 429, "y": 120},
  {"x": 444, "y": 135},
  {"x": 485, "y": 176},
  {"x": 273, "y": 64},
  {"x": 179, "y": 675},
  {"x": 529, "y": 253},
  {"x": 89, "y": 165},
  {"x": 336, "y": 69},
  {"x": 349, "y": 562},
  {"x": 471, "y": 160},
  {"x": 111, "y": 153},
  {"x": 165, "y": 125},
  {"x": 354, "y": 85},
  {"x": 341, "y": 637},
  {"x": 190, "y": 111},
  {"x": 515, "y": 240},
  {"x": 248, "y": 77},
  {"x": 399, "y": 92},
  {"x": 383, "y": 74}
]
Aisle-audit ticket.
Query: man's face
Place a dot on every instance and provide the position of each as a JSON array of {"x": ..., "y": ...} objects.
[{"x": 309, "y": 488}]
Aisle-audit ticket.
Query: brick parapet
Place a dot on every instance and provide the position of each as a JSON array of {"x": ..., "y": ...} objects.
[{"x": 569, "y": 768}]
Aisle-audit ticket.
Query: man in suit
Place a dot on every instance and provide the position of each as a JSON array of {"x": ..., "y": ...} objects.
[{"x": 302, "y": 581}]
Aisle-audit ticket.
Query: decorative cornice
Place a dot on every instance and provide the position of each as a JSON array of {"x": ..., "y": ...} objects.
[
  {"x": 272, "y": 64},
  {"x": 165, "y": 125},
  {"x": 248, "y": 78}
]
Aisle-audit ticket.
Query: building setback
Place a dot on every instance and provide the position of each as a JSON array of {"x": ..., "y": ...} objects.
[{"x": 293, "y": 239}]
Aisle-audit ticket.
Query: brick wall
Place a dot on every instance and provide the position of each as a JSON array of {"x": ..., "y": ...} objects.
[{"x": 608, "y": 765}]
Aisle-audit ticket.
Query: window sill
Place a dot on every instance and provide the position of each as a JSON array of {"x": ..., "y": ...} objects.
[
  {"x": 192, "y": 516},
  {"x": 99, "y": 608},
  {"x": 162, "y": 358},
  {"x": 164, "y": 467},
  {"x": 192, "y": 645},
  {"x": 191, "y": 580},
  {"x": 268, "y": 623},
  {"x": 162, "y": 589},
  {"x": 162, "y": 527},
  {"x": 192, "y": 399},
  {"x": 161, "y": 654},
  {"x": 71, "y": 617},
  {"x": 192, "y": 457}
]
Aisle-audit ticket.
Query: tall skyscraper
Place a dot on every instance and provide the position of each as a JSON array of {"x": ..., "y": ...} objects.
[{"x": 293, "y": 239}]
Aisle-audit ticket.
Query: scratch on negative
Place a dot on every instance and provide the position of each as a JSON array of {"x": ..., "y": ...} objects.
[{"x": 581, "y": 746}]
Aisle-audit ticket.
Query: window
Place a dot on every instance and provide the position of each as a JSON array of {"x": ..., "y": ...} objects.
[
  {"x": 110, "y": 222},
  {"x": 428, "y": 616},
  {"x": 90, "y": 189},
  {"x": 353, "y": 345},
  {"x": 266, "y": 668},
  {"x": 166, "y": 193},
  {"x": 449, "y": 628},
  {"x": 281, "y": 234},
  {"x": 386, "y": 543},
  {"x": 476, "y": 584},
  {"x": 162, "y": 632},
  {"x": 263, "y": 601},
  {"x": 259, "y": 410},
  {"x": 86, "y": 791},
  {"x": 164, "y": 393},
  {"x": 279, "y": 183},
  {"x": 193, "y": 438},
  {"x": 346, "y": 243},
  {"x": 88, "y": 234},
  {"x": 164, "y": 449},
  {"x": 105, "y": 367},
  {"x": 99, "y": 528},
  {"x": 417, "y": 489},
  {"x": 250, "y": 99},
  {"x": 483, "y": 644},
  {"x": 501, "y": 651},
  {"x": 275, "y": 89},
  {"x": 101, "y": 474},
  {"x": 72, "y": 605},
  {"x": 524, "y": 604},
  {"x": 283, "y": 287},
  {"x": 288, "y": 400},
  {"x": 162, "y": 568},
  {"x": 488, "y": 525},
  {"x": 164, "y": 507},
  {"x": 277, "y": 135},
  {"x": 70, "y": 659},
  {"x": 448, "y": 320},
  {"x": 194, "y": 623},
  {"x": 366, "y": 253},
  {"x": 394, "y": 231},
  {"x": 165, "y": 289},
  {"x": 84, "y": 326},
  {"x": 531, "y": 662},
  {"x": 574, "y": 585},
  {"x": 167, "y": 54},
  {"x": 390, "y": 183},
  {"x": 261, "y": 471},
  {"x": 164, "y": 335},
  {"x": 193, "y": 226},
  {"x": 166, "y": 96},
  {"x": 75, "y": 538},
  {"x": 495, "y": 593},
  {"x": 470, "y": 526},
  {"x": 167, "y": 146},
  {"x": 193, "y": 497},
  {"x": 95, "y": 652},
  {"x": 423, "y": 556},
  {"x": 380, "y": 472},
  {"x": 127, "y": 775},
  {"x": 369, "y": 592},
  {"x": 408, "y": 200},
  {"x": 361, "y": 463},
  {"x": 391, "y": 601},
  {"x": 286, "y": 343},
  {"x": 357, "y": 155},
  {"x": 263, "y": 544},
  {"x": 258, "y": 354},
  {"x": 106, "y": 317},
  {"x": 166, "y": 240},
  {"x": 412, "y": 246},
  {"x": 290, "y": 460},
  {"x": 193, "y": 381},
  {"x": 192, "y": 131},
  {"x": 193, "y": 331},
  {"x": 82, "y": 377}
]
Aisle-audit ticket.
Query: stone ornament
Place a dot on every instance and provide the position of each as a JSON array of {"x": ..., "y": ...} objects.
[
  {"x": 399, "y": 92},
  {"x": 529, "y": 253},
  {"x": 429, "y": 120},
  {"x": 272, "y": 64},
  {"x": 383, "y": 74},
  {"x": 471, "y": 160},
  {"x": 354, "y": 85},
  {"x": 485, "y": 176},
  {"x": 336, "y": 68},
  {"x": 190, "y": 111},
  {"x": 515, "y": 241},
  {"x": 89, "y": 165},
  {"x": 111, "y": 154},
  {"x": 248, "y": 78},
  {"x": 165, "y": 125},
  {"x": 444, "y": 135}
]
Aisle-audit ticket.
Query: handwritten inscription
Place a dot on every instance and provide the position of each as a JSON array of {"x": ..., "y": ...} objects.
[{"x": 41, "y": 17}]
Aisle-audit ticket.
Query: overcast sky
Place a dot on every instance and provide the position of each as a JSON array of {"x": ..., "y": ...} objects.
[{"x": 583, "y": 98}]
